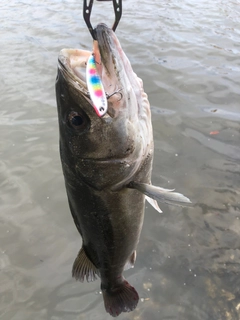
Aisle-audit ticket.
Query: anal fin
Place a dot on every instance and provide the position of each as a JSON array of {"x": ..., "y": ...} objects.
[
  {"x": 131, "y": 261},
  {"x": 84, "y": 268}
]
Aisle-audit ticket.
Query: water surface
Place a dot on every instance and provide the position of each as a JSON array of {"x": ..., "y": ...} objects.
[{"x": 188, "y": 55}]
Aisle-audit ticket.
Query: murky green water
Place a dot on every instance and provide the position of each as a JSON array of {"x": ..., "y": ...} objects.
[{"x": 188, "y": 55}]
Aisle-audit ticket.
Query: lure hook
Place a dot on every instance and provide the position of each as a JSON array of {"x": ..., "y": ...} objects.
[{"x": 115, "y": 92}]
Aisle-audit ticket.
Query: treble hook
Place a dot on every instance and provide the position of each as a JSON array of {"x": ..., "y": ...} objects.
[
  {"x": 115, "y": 92},
  {"x": 87, "y": 9}
]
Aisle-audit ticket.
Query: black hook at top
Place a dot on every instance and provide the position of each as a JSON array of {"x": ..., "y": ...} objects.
[{"x": 87, "y": 9}]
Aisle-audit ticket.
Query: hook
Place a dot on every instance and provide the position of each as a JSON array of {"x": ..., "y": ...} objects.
[{"x": 115, "y": 92}]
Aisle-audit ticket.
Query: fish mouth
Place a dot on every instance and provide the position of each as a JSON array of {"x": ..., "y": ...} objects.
[
  {"x": 106, "y": 56},
  {"x": 111, "y": 68}
]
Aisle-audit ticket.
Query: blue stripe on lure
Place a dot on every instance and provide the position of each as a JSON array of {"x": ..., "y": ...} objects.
[{"x": 95, "y": 88}]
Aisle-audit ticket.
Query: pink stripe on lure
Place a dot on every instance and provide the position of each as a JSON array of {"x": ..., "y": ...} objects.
[{"x": 95, "y": 88}]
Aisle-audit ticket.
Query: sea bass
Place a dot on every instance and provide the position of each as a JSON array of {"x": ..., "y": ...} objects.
[{"x": 107, "y": 163}]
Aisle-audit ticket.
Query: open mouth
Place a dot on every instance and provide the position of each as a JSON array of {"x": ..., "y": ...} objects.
[
  {"x": 97, "y": 74},
  {"x": 77, "y": 61},
  {"x": 104, "y": 56},
  {"x": 86, "y": 70}
]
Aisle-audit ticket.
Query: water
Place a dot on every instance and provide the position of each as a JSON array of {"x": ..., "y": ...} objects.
[{"x": 187, "y": 53}]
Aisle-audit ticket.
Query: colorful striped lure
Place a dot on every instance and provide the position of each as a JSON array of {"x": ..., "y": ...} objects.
[{"x": 95, "y": 88}]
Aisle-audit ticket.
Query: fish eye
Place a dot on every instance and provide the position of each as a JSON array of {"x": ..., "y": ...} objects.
[{"x": 77, "y": 120}]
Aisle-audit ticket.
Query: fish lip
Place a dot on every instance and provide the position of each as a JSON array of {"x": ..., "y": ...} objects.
[
  {"x": 109, "y": 52},
  {"x": 68, "y": 65},
  {"x": 104, "y": 36},
  {"x": 124, "y": 159}
]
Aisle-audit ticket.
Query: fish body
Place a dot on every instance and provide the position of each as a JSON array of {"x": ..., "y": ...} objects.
[{"x": 107, "y": 163}]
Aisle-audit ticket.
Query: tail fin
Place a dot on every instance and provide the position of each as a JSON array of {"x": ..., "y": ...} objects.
[{"x": 123, "y": 298}]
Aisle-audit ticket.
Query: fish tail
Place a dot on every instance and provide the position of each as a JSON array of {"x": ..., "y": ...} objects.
[{"x": 122, "y": 298}]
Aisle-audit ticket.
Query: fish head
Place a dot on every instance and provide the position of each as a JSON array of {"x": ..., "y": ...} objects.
[{"x": 102, "y": 151}]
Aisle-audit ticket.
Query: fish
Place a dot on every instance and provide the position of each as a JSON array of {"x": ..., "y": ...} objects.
[{"x": 107, "y": 165}]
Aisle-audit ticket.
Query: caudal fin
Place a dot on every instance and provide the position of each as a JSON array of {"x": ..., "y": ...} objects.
[{"x": 123, "y": 298}]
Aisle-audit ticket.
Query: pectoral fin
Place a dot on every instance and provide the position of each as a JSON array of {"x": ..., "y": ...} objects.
[
  {"x": 160, "y": 194},
  {"x": 154, "y": 204},
  {"x": 83, "y": 267}
]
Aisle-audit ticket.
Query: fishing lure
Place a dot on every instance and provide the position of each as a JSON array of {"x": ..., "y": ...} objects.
[{"x": 95, "y": 88}]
